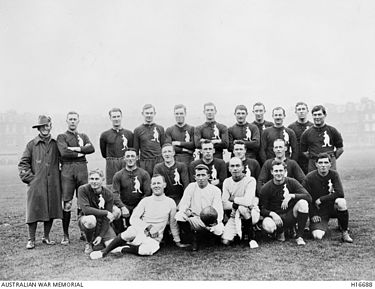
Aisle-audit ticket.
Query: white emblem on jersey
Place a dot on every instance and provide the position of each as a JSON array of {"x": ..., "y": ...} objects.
[
  {"x": 80, "y": 141},
  {"x": 137, "y": 186},
  {"x": 248, "y": 134},
  {"x": 264, "y": 127},
  {"x": 286, "y": 136},
  {"x": 124, "y": 142},
  {"x": 176, "y": 178},
  {"x": 307, "y": 127},
  {"x": 101, "y": 202},
  {"x": 216, "y": 133},
  {"x": 326, "y": 140},
  {"x": 156, "y": 135},
  {"x": 330, "y": 187},
  {"x": 286, "y": 191},
  {"x": 196, "y": 154},
  {"x": 213, "y": 173},
  {"x": 187, "y": 136},
  {"x": 248, "y": 171}
]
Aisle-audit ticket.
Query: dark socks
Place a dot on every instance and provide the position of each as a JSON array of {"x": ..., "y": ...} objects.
[
  {"x": 32, "y": 230},
  {"x": 132, "y": 249},
  {"x": 47, "y": 228},
  {"x": 343, "y": 218},
  {"x": 66, "y": 222},
  {"x": 116, "y": 242},
  {"x": 301, "y": 222}
]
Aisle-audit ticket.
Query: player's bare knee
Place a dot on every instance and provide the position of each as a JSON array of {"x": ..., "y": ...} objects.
[
  {"x": 302, "y": 206},
  {"x": 318, "y": 234},
  {"x": 68, "y": 206},
  {"x": 89, "y": 222},
  {"x": 341, "y": 204},
  {"x": 269, "y": 225}
]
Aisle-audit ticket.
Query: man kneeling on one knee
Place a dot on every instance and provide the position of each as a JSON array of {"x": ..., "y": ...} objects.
[
  {"x": 148, "y": 222},
  {"x": 284, "y": 202},
  {"x": 328, "y": 201},
  {"x": 96, "y": 202},
  {"x": 239, "y": 197}
]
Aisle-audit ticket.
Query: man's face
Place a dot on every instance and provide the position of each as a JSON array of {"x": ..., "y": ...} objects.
[
  {"x": 278, "y": 116},
  {"x": 236, "y": 168},
  {"x": 278, "y": 172},
  {"x": 208, "y": 151},
  {"x": 116, "y": 118},
  {"x": 239, "y": 151},
  {"x": 45, "y": 130},
  {"x": 323, "y": 165},
  {"x": 201, "y": 177},
  {"x": 279, "y": 149},
  {"x": 130, "y": 159},
  {"x": 168, "y": 153},
  {"x": 157, "y": 186},
  {"x": 210, "y": 112},
  {"x": 259, "y": 112},
  {"x": 240, "y": 116},
  {"x": 72, "y": 120},
  {"x": 301, "y": 111},
  {"x": 95, "y": 181},
  {"x": 318, "y": 117},
  {"x": 149, "y": 115},
  {"x": 180, "y": 115}
]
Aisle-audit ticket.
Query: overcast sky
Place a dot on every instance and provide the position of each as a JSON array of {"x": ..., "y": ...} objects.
[{"x": 91, "y": 55}]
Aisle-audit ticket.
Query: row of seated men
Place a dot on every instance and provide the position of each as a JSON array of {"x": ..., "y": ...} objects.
[{"x": 282, "y": 203}]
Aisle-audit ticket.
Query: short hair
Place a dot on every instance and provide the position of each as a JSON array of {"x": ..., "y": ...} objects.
[
  {"x": 158, "y": 175},
  {"x": 115, "y": 109},
  {"x": 209, "y": 104},
  {"x": 323, "y": 156},
  {"x": 319, "y": 107},
  {"x": 279, "y": 139},
  {"x": 301, "y": 103},
  {"x": 72, "y": 112},
  {"x": 240, "y": 107},
  {"x": 178, "y": 106},
  {"x": 202, "y": 167},
  {"x": 147, "y": 106},
  {"x": 167, "y": 144},
  {"x": 235, "y": 158},
  {"x": 206, "y": 141},
  {"x": 258, "y": 104},
  {"x": 238, "y": 142},
  {"x": 277, "y": 163},
  {"x": 278, "y": 108},
  {"x": 131, "y": 150},
  {"x": 96, "y": 171}
]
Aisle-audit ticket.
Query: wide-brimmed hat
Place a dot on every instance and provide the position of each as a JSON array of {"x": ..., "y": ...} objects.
[{"x": 42, "y": 120}]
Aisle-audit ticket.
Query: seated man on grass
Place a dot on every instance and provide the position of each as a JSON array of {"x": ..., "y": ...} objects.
[{"x": 148, "y": 222}]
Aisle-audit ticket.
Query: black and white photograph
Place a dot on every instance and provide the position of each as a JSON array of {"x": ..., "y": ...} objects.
[{"x": 163, "y": 140}]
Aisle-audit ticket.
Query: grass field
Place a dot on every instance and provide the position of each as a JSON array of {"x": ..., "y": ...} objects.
[{"x": 329, "y": 259}]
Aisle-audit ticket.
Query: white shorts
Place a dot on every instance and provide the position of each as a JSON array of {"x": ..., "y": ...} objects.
[{"x": 136, "y": 236}]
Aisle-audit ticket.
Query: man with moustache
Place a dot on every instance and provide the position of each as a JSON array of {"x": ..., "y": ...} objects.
[
  {"x": 39, "y": 169},
  {"x": 113, "y": 144}
]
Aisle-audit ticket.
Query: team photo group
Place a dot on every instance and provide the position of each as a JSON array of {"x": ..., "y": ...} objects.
[{"x": 211, "y": 185}]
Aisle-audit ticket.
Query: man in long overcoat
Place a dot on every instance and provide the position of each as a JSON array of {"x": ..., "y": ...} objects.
[{"x": 39, "y": 169}]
